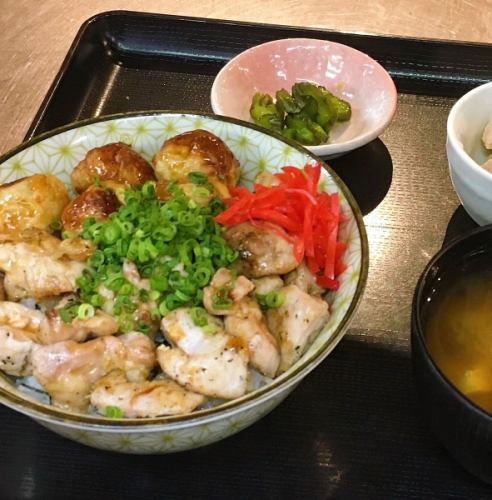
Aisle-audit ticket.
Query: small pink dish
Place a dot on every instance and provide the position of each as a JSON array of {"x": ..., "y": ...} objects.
[{"x": 346, "y": 72}]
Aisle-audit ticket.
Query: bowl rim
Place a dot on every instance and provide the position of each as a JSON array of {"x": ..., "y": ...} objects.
[
  {"x": 452, "y": 139},
  {"x": 416, "y": 321},
  {"x": 278, "y": 386},
  {"x": 328, "y": 148}
]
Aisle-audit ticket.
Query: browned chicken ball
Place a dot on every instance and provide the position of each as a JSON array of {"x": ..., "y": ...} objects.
[
  {"x": 197, "y": 151},
  {"x": 31, "y": 202},
  {"x": 95, "y": 202},
  {"x": 113, "y": 162}
]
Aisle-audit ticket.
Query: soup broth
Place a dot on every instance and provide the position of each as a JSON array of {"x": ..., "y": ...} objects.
[{"x": 459, "y": 330}]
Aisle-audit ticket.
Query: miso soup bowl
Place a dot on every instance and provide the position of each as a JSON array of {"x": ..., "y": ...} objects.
[
  {"x": 59, "y": 151},
  {"x": 461, "y": 426}
]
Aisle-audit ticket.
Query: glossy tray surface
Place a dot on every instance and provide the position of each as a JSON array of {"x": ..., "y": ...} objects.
[{"x": 353, "y": 428}]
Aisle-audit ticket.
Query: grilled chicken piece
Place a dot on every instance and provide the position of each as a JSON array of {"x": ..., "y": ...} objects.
[
  {"x": 267, "y": 284},
  {"x": 211, "y": 364},
  {"x": 114, "y": 162},
  {"x": 198, "y": 151},
  {"x": 68, "y": 371},
  {"x": 487, "y": 135},
  {"x": 139, "y": 357},
  {"x": 144, "y": 311},
  {"x": 262, "y": 251},
  {"x": 95, "y": 202},
  {"x": 487, "y": 165},
  {"x": 248, "y": 324},
  {"x": 295, "y": 323},
  {"x": 20, "y": 317},
  {"x": 38, "y": 265},
  {"x": 144, "y": 399},
  {"x": 71, "y": 248},
  {"x": 303, "y": 278},
  {"x": 3, "y": 293},
  {"x": 32, "y": 271},
  {"x": 130, "y": 272},
  {"x": 225, "y": 286},
  {"x": 31, "y": 202},
  {"x": 23, "y": 329},
  {"x": 50, "y": 328},
  {"x": 16, "y": 348},
  {"x": 56, "y": 330}
]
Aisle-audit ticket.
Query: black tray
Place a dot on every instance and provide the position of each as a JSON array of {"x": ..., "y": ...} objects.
[{"x": 353, "y": 428}]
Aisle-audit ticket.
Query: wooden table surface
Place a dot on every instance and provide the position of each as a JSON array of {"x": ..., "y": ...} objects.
[
  {"x": 35, "y": 37},
  {"x": 360, "y": 422}
]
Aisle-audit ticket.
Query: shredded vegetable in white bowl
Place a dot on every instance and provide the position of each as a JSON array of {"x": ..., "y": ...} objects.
[{"x": 168, "y": 278}]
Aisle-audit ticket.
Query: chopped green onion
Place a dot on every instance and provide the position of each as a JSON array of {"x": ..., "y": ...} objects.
[
  {"x": 96, "y": 259},
  {"x": 125, "y": 324},
  {"x": 198, "y": 178},
  {"x": 271, "y": 300},
  {"x": 173, "y": 302},
  {"x": 182, "y": 296},
  {"x": 202, "y": 276},
  {"x": 175, "y": 245},
  {"x": 146, "y": 271},
  {"x": 159, "y": 283},
  {"x": 163, "y": 309},
  {"x": 186, "y": 219},
  {"x": 154, "y": 295},
  {"x": 126, "y": 289},
  {"x": 65, "y": 315},
  {"x": 56, "y": 225},
  {"x": 144, "y": 327},
  {"x": 113, "y": 412},
  {"x": 209, "y": 329},
  {"x": 148, "y": 190},
  {"x": 200, "y": 192},
  {"x": 85, "y": 311},
  {"x": 115, "y": 282},
  {"x": 199, "y": 316},
  {"x": 216, "y": 206},
  {"x": 231, "y": 255},
  {"x": 221, "y": 298},
  {"x": 166, "y": 233},
  {"x": 96, "y": 300},
  {"x": 275, "y": 299},
  {"x": 110, "y": 233},
  {"x": 69, "y": 312}
]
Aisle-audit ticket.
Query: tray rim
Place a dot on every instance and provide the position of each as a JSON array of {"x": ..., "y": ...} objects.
[{"x": 314, "y": 29}]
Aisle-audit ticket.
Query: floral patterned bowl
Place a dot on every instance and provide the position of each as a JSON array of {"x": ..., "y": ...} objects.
[
  {"x": 347, "y": 72},
  {"x": 59, "y": 151}
]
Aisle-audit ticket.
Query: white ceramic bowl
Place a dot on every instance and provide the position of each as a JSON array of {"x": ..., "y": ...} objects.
[
  {"x": 347, "y": 72},
  {"x": 59, "y": 151},
  {"x": 465, "y": 151}
]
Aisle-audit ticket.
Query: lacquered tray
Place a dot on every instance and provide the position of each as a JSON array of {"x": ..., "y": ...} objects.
[{"x": 353, "y": 428}]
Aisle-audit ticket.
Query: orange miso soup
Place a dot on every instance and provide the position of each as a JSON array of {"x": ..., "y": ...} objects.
[{"x": 458, "y": 328}]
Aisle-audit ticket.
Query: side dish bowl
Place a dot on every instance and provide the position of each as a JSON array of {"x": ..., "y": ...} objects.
[
  {"x": 466, "y": 122},
  {"x": 344, "y": 71},
  {"x": 460, "y": 425},
  {"x": 58, "y": 151}
]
